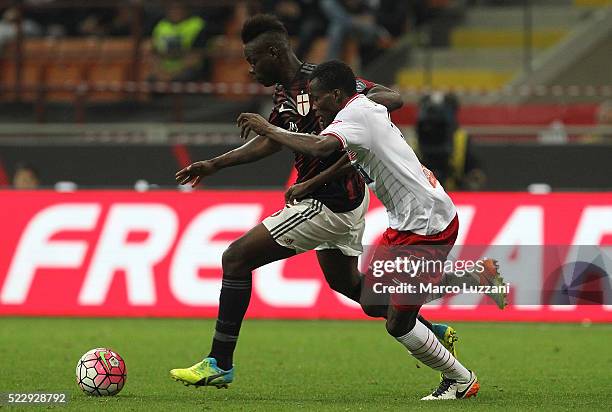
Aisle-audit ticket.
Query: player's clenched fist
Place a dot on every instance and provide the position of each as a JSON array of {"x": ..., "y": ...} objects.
[
  {"x": 251, "y": 122},
  {"x": 195, "y": 172}
]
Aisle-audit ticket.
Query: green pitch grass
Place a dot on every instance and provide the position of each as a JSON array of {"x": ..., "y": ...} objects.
[{"x": 311, "y": 365}]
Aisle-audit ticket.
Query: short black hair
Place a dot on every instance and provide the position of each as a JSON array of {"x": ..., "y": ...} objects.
[
  {"x": 262, "y": 24},
  {"x": 335, "y": 75}
]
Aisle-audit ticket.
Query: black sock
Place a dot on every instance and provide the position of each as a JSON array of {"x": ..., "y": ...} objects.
[
  {"x": 233, "y": 304},
  {"x": 223, "y": 352}
]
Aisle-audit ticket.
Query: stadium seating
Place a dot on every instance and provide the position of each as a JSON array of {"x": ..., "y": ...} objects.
[
  {"x": 65, "y": 63},
  {"x": 486, "y": 50}
]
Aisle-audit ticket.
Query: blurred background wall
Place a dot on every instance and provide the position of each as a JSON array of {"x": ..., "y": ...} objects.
[{"x": 88, "y": 84}]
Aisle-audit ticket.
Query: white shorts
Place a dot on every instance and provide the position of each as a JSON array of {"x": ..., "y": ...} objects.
[{"x": 310, "y": 225}]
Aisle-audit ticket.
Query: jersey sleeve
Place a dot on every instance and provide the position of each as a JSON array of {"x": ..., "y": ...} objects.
[
  {"x": 349, "y": 132},
  {"x": 363, "y": 86}
]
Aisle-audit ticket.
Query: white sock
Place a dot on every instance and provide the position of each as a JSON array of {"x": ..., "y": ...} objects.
[{"x": 423, "y": 345}]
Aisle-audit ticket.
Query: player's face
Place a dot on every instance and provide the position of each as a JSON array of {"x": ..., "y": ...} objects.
[
  {"x": 263, "y": 63},
  {"x": 327, "y": 103}
]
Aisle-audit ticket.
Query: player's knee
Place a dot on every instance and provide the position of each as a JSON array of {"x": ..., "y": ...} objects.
[
  {"x": 400, "y": 323},
  {"x": 233, "y": 261}
]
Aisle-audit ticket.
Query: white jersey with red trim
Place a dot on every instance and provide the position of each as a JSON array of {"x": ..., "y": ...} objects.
[{"x": 414, "y": 199}]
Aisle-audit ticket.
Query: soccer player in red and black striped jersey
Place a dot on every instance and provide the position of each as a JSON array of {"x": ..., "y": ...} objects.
[
  {"x": 325, "y": 209},
  {"x": 293, "y": 111}
]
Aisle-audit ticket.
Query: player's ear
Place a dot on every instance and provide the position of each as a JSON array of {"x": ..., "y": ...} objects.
[{"x": 337, "y": 96}]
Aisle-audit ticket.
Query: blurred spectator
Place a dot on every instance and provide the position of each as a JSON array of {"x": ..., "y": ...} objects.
[
  {"x": 120, "y": 24},
  {"x": 107, "y": 22},
  {"x": 55, "y": 21},
  {"x": 290, "y": 12},
  {"x": 421, "y": 12},
  {"x": 8, "y": 28},
  {"x": 93, "y": 21},
  {"x": 444, "y": 147},
  {"x": 302, "y": 18},
  {"x": 314, "y": 24},
  {"x": 604, "y": 121},
  {"x": 555, "y": 133},
  {"x": 217, "y": 18},
  {"x": 352, "y": 17},
  {"x": 393, "y": 16},
  {"x": 26, "y": 177},
  {"x": 604, "y": 113},
  {"x": 179, "y": 42}
]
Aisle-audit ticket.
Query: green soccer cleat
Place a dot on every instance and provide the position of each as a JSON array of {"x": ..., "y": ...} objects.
[
  {"x": 205, "y": 373},
  {"x": 447, "y": 337}
]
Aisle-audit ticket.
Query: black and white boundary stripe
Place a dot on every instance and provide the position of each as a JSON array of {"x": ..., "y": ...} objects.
[
  {"x": 434, "y": 355},
  {"x": 297, "y": 219}
]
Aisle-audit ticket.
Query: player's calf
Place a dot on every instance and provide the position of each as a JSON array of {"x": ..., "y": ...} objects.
[
  {"x": 375, "y": 311},
  {"x": 400, "y": 322},
  {"x": 424, "y": 346}
]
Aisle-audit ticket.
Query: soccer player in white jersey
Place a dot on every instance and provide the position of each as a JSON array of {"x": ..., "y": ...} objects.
[{"x": 420, "y": 212}]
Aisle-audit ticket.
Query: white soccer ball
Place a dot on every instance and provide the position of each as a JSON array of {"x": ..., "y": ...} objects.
[{"x": 101, "y": 372}]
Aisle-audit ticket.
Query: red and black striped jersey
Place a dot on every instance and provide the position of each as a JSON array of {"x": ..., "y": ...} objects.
[{"x": 292, "y": 111}]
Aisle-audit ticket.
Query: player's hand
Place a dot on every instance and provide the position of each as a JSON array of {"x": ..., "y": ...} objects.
[
  {"x": 297, "y": 192},
  {"x": 195, "y": 172},
  {"x": 252, "y": 122}
]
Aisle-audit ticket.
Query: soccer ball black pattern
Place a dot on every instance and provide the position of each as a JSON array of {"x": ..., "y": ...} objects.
[{"x": 101, "y": 372}]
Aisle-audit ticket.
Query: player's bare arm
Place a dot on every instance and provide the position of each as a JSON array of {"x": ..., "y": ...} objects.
[
  {"x": 312, "y": 145},
  {"x": 253, "y": 150},
  {"x": 389, "y": 98},
  {"x": 301, "y": 190}
]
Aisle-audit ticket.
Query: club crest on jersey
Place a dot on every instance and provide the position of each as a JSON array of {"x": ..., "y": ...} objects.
[{"x": 303, "y": 104}]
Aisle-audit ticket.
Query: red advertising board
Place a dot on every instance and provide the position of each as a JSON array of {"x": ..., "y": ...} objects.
[
  {"x": 519, "y": 114},
  {"x": 120, "y": 253}
]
